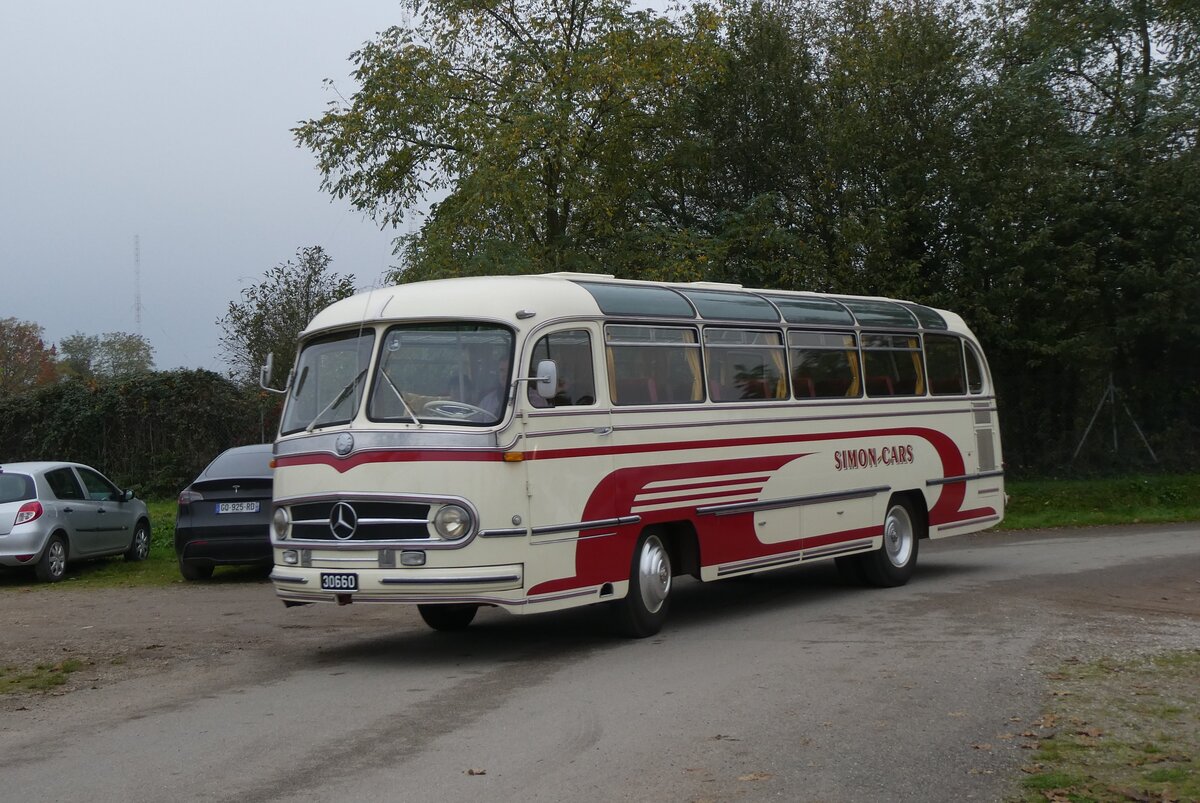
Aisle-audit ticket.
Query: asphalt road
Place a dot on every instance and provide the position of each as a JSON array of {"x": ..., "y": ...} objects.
[{"x": 787, "y": 686}]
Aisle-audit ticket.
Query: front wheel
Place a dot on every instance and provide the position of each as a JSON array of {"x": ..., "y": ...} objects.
[
  {"x": 892, "y": 564},
  {"x": 448, "y": 617},
  {"x": 644, "y": 609},
  {"x": 139, "y": 546}
]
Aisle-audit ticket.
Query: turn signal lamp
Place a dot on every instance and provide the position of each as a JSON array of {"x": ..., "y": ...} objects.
[{"x": 514, "y": 457}]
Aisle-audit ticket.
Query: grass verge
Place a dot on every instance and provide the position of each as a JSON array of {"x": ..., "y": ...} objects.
[
  {"x": 1037, "y": 504},
  {"x": 40, "y": 678},
  {"x": 1120, "y": 730}
]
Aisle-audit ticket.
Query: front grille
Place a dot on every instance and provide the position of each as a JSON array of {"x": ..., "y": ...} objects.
[{"x": 376, "y": 521}]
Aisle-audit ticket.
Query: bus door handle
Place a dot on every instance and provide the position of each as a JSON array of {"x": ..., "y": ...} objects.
[{"x": 602, "y": 431}]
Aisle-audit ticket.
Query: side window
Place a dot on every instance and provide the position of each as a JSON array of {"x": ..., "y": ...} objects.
[
  {"x": 63, "y": 484},
  {"x": 944, "y": 358},
  {"x": 744, "y": 364},
  {"x": 571, "y": 351},
  {"x": 98, "y": 488},
  {"x": 892, "y": 365},
  {"x": 974, "y": 371},
  {"x": 824, "y": 365},
  {"x": 653, "y": 365}
]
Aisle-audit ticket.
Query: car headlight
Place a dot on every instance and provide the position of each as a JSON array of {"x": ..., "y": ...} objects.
[
  {"x": 280, "y": 521},
  {"x": 452, "y": 522}
]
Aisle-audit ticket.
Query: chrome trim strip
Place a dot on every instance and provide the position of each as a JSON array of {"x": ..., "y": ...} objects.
[
  {"x": 364, "y": 521},
  {"x": 281, "y": 578},
  {"x": 585, "y": 525},
  {"x": 837, "y": 549},
  {"x": 364, "y": 545},
  {"x": 769, "y": 562},
  {"x": 515, "y": 532},
  {"x": 958, "y": 525},
  {"x": 575, "y": 539},
  {"x": 793, "y": 501},
  {"x": 430, "y": 581},
  {"x": 397, "y": 436},
  {"x": 966, "y": 477}
]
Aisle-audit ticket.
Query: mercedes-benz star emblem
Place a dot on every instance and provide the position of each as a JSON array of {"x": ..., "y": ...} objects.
[{"x": 343, "y": 521}]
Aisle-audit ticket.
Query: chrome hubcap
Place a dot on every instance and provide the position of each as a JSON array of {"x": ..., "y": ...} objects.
[
  {"x": 58, "y": 558},
  {"x": 898, "y": 536},
  {"x": 654, "y": 574}
]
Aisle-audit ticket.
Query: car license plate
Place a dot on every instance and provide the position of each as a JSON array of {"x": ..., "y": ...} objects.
[
  {"x": 341, "y": 581},
  {"x": 237, "y": 507}
]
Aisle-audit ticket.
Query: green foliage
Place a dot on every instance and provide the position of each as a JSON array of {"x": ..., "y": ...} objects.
[
  {"x": 272, "y": 313},
  {"x": 1036, "y": 504},
  {"x": 153, "y": 432},
  {"x": 540, "y": 121},
  {"x": 115, "y": 354}
]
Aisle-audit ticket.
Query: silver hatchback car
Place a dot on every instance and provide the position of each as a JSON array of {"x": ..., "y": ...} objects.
[{"x": 54, "y": 512}]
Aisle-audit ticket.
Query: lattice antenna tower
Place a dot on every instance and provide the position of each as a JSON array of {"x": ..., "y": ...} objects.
[{"x": 137, "y": 284}]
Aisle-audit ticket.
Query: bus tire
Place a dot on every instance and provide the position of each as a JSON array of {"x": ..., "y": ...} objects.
[
  {"x": 448, "y": 617},
  {"x": 644, "y": 609},
  {"x": 892, "y": 564}
]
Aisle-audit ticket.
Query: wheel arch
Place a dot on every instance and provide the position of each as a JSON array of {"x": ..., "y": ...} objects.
[
  {"x": 682, "y": 543},
  {"x": 918, "y": 505}
]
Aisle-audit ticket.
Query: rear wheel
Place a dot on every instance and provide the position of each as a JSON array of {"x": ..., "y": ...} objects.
[
  {"x": 195, "y": 571},
  {"x": 448, "y": 617},
  {"x": 893, "y": 563},
  {"x": 139, "y": 547},
  {"x": 51, "y": 567},
  {"x": 644, "y": 609}
]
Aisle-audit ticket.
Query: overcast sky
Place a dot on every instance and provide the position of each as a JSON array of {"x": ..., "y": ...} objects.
[{"x": 169, "y": 121}]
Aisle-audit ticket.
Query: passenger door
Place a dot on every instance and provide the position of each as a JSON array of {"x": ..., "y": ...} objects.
[{"x": 114, "y": 521}]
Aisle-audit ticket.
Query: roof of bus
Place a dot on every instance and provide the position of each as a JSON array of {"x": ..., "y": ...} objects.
[{"x": 567, "y": 295}]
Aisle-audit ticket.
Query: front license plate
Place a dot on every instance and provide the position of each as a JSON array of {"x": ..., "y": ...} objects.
[
  {"x": 342, "y": 581},
  {"x": 237, "y": 507}
]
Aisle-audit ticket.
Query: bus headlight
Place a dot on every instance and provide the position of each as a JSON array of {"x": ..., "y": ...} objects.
[
  {"x": 452, "y": 522},
  {"x": 280, "y": 521}
]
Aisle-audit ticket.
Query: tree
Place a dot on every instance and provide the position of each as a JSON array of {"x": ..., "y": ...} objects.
[
  {"x": 25, "y": 361},
  {"x": 541, "y": 121},
  {"x": 270, "y": 315},
  {"x": 113, "y": 355}
]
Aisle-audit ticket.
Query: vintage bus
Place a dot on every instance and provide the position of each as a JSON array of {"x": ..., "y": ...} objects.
[{"x": 541, "y": 442}]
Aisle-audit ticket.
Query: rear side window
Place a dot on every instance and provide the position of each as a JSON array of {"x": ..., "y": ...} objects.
[
  {"x": 63, "y": 484},
  {"x": 744, "y": 364},
  {"x": 893, "y": 365},
  {"x": 944, "y": 357},
  {"x": 824, "y": 364},
  {"x": 15, "y": 488}
]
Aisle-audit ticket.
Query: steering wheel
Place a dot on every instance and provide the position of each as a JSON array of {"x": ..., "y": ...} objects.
[{"x": 448, "y": 408}]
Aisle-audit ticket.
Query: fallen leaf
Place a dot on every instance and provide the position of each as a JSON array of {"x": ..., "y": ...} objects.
[{"x": 476, "y": 772}]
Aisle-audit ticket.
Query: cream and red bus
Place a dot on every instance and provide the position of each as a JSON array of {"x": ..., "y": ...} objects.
[{"x": 541, "y": 442}]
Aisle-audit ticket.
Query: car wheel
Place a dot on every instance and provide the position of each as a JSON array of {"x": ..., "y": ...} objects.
[
  {"x": 448, "y": 617},
  {"x": 195, "y": 571},
  {"x": 139, "y": 547},
  {"x": 644, "y": 609},
  {"x": 893, "y": 563},
  {"x": 52, "y": 565}
]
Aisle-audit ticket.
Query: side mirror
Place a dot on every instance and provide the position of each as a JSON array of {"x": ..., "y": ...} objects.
[
  {"x": 126, "y": 496},
  {"x": 264, "y": 375},
  {"x": 547, "y": 379}
]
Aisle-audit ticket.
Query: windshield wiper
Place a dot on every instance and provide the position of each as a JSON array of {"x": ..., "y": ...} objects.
[
  {"x": 400, "y": 396},
  {"x": 336, "y": 399}
]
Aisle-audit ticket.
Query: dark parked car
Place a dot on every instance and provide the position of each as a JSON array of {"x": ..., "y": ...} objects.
[
  {"x": 225, "y": 514},
  {"x": 51, "y": 513}
]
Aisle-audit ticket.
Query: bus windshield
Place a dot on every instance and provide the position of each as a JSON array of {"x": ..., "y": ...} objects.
[
  {"x": 456, "y": 373},
  {"x": 329, "y": 381}
]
